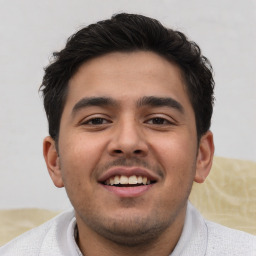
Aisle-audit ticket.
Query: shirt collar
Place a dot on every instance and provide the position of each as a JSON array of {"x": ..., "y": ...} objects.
[{"x": 194, "y": 236}]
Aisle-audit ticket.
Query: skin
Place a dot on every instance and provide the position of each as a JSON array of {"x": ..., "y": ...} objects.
[{"x": 125, "y": 134}]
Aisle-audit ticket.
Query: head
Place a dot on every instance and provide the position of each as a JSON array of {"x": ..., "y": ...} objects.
[
  {"x": 128, "y": 33},
  {"x": 129, "y": 105}
]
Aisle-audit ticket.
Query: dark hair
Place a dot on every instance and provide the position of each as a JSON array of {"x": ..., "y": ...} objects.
[{"x": 124, "y": 33}]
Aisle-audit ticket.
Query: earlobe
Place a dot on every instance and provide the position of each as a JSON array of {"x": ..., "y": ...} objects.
[
  {"x": 52, "y": 161},
  {"x": 204, "y": 157}
]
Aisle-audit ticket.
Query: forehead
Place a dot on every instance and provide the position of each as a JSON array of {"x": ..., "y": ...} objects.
[{"x": 127, "y": 76}]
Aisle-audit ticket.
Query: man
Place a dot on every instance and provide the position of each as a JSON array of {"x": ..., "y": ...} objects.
[{"x": 129, "y": 104}]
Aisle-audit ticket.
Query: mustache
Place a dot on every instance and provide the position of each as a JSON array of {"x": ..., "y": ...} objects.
[{"x": 133, "y": 161}]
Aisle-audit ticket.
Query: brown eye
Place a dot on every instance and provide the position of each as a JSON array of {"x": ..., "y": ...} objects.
[
  {"x": 158, "y": 121},
  {"x": 97, "y": 121}
]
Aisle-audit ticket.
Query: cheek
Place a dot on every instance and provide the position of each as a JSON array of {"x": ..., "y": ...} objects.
[
  {"x": 78, "y": 158},
  {"x": 79, "y": 149},
  {"x": 176, "y": 150},
  {"x": 177, "y": 157}
]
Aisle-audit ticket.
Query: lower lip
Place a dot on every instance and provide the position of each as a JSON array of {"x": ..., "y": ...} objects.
[{"x": 128, "y": 191}]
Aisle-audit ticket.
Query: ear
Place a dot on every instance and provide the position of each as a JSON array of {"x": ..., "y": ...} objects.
[
  {"x": 204, "y": 157},
  {"x": 52, "y": 161}
]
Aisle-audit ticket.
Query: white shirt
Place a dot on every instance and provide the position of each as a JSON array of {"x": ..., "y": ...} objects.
[{"x": 199, "y": 238}]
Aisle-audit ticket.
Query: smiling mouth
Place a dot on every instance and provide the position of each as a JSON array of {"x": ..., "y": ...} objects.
[{"x": 125, "y": 181}]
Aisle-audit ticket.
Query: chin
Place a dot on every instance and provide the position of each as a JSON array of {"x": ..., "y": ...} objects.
[{"x": 130, "y": 228}]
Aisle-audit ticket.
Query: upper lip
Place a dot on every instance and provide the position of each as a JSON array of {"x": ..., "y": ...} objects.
[{"x": 127, "y": 171}]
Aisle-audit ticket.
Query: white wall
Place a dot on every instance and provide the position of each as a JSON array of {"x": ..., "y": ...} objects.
[{"x": 30, "y": 30}]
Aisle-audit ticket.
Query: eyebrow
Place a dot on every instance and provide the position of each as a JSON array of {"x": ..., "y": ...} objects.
[
  {"x": 93, "y": 101},
  {"x": 144, "y": 101},
  {"x": 160, "y": 102}
]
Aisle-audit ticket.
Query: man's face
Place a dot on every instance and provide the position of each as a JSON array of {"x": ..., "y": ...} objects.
[{"x": 127, "y": 119}]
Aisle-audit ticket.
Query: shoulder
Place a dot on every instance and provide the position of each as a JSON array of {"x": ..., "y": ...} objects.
[
  {"x": 226, "y": 241},
  {"x": 217, "y": 239},
  {"x": 44, "y": 236}
]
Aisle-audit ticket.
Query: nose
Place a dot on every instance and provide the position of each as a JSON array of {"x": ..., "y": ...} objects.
[{"x": 128, "y": 140}]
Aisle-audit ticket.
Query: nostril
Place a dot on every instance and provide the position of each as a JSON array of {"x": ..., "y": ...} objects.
[
  {"x": 138, "y": 151},
  {"x": 118, "y": 151}
]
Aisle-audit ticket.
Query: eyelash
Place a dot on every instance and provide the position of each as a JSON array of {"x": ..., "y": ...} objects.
[
  {"x": 159, "y": 121},
  {"x": 97, "y": 119}
]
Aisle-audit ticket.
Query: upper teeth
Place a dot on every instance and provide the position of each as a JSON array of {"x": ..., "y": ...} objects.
[{"x": 123, "y": 180}]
